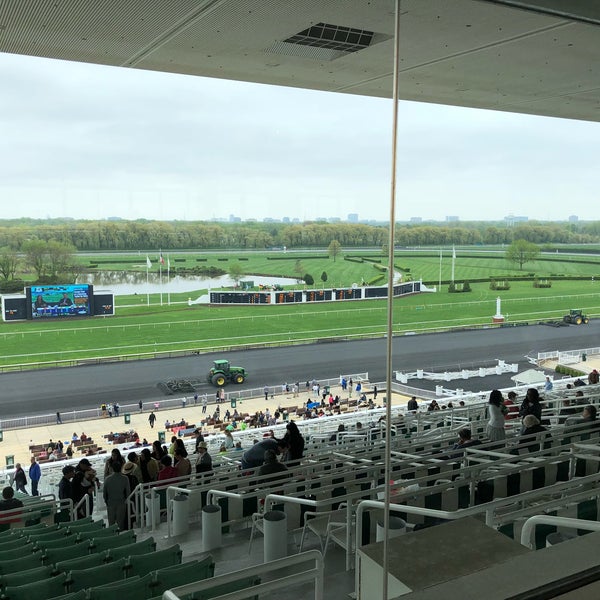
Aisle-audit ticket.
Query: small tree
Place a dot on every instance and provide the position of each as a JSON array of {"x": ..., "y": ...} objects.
[
  {"x": 324, "y": 276},
  {"x": 334, "y": 249},
  {"x": 521, "y": 252},
  {"x": 308, "y": 279},
  {"x": 299, "y": 269},
  {"x": 9, "y": 262},
  {"x": 236, "y": 272}
]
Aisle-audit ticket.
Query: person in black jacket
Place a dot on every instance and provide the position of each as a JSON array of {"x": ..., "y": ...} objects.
[
  {"x": 20, "y": 479},
  {"x": 531, "y": 405},
  {"x": 65, "y": 485}
]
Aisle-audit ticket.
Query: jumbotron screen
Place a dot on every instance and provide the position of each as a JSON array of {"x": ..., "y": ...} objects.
[{"x": 56, "y": 301}]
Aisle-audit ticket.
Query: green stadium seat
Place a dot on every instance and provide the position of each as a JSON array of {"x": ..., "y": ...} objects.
[
  {"x": 44, "y": 535},
  {"x": 24, "y": 531},
  {"x": 82, "y": 595},
  {"x": 31, "y": 561},
  {"x": 27, "y": 576},
  {"x": 92, "y": 532},
  {"x": 63, "y": 542},
  {"x": 82, "y": 562},
  {"x": 142, "y": 564},
  {"x": 79, "y": 523},
  {"x": 103, "y": 543},
  {"x": 23, "y": 550},
  {"x": 79, "y": 526},
  {"x": 56, "y": 555},
  {"x": 13, "y": 542},
  {"x": 170, "y": 577},
  {"x": 143, "y": 547},
  {"x": 81, "y": 579},
  {"x": 37, "y": 590},
  {"x": 135, "y": 588}
]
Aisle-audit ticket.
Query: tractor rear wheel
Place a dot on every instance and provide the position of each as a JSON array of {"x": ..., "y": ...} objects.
[
  {"x": 239, "y": 378},
  {"x": 219, "y": 380},
  {"x": 567, "y": 319}
]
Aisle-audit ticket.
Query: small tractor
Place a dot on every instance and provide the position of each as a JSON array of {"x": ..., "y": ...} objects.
[
  {"x": 576, "y": 317},
  {"x": 223, "y": 373}
]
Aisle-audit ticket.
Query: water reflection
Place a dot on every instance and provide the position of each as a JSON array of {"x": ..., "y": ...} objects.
[{"x": 135, "y": 282}]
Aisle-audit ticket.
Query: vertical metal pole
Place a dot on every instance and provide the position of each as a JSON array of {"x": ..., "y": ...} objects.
[{"x": 390, "y": 306}]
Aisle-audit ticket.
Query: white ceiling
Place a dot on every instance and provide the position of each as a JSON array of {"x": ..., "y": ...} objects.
[{"x": 473, "y": 53}]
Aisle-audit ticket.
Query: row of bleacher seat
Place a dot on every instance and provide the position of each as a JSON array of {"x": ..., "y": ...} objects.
[{"x": 106, "y": 567}]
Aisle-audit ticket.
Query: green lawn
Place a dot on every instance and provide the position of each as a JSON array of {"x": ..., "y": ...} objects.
[{"x": 141, "y": 329}]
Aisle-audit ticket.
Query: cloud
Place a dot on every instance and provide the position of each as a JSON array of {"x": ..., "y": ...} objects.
[{"x": 90, "y": 141}]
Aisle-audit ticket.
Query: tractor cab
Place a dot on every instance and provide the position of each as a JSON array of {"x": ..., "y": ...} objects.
[{"x": 221, "y": 365}]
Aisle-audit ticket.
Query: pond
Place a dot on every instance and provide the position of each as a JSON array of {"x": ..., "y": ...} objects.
[{"x": 127, "y": 282}]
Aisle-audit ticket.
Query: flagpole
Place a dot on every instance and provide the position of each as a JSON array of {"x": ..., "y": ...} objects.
[
  {"x": 168, "y": 280},
  {"x": 453, "y": 259},
  {"x": 160, "y": 262},
  {"x": 440, "y": 284},
  {"x": 148, "y": 265}
]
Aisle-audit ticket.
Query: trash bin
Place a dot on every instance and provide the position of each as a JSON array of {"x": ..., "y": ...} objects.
[
  {"x": 161, "y": 436},
  {"x": 233, "y": 403},
  {"x": 181, "y": 514},
  {"x": 397, "y": 526},
  {"x": 583, "y": 356},
  {"x": 152, "y": 502},
  {"x": 10, "y": 460},
  {"x": 1, "y": 435},
  {"x": 211, "y": 527},
  {"x": 275, "y": 535},
  {"x": 127, "y": 417}
]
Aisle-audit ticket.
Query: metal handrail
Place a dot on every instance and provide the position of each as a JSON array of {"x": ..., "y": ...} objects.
[
  {"x": 529, "y": 528},
  {"x": 315, "y": 573}
]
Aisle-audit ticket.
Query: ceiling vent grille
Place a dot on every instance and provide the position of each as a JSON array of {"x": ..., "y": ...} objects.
[
  {"x": 326, "y": 42},
  {"x": 333, "y": 37}
]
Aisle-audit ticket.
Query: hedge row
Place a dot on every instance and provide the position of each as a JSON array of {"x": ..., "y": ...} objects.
[{"x": 569, "y": 371}]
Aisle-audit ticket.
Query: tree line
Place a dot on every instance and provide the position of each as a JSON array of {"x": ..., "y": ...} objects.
[{"x": 98, "y": 236}]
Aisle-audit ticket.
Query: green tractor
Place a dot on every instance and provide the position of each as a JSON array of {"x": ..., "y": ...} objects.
[
  {"x": 576, "y": 317},
  {"x": 223, "y": 373}
]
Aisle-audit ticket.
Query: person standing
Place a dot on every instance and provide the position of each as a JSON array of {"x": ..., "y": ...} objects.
[
  {"x": 20, "y": 479},
  {"x": 204, "y": 403},
  {"x": 548, "y": 385},
  {"x": 58, "y": 418},
  {"x": 495, "y": 427},
  {"x": 65, "y": 485},
  {"x": 151, "y": 419},
  {"x": 141, "y": 405},
  {"x": 35, "y": 474},
  {"x": 266, "y": 392},
  {"x": 115, "y": 492}
]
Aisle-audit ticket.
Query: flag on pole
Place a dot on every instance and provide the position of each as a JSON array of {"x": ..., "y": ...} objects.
[
  {"x": 168, "y": 262},
  {"x": 161, "y": 259},
  {"x": 453, "y": 252},
  {"x": 148, "y": 262}
]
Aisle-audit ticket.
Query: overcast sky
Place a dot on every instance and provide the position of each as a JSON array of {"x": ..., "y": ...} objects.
[{"x": 87, "y": 141}]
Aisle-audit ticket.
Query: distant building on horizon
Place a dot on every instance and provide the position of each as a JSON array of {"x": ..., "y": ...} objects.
[
  {"x": 512, "y": 219},
  {"x": 573, "y": 219},
  {"x": 415, "y": 220},
  {"x": 353, "y": 218},
  {"x": 452, "y": 218}
]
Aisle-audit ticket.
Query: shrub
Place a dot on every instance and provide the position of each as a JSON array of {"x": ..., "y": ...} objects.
[
  {"x": 459, "y": 288},
  {"x": 12, "y": 286},
  {"x": 569, "y": 371},
  {"x": 542, "y": 283},
  {"x": 308, "y": 279},
  {"x": 499, "y": 285}
]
